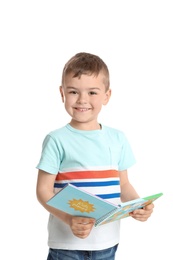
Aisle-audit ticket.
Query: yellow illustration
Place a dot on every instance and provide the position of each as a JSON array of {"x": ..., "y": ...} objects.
[{"x": 81, "y": 205}]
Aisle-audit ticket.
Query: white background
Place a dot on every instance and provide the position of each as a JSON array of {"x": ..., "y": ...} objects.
[{"x": 135, "y": 39}]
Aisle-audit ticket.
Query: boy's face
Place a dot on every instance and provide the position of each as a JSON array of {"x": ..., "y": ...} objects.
[{"x": 83, "y": 99}]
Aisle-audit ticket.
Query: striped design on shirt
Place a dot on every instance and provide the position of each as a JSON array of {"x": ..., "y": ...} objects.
[{"x": 103, "y": 183}]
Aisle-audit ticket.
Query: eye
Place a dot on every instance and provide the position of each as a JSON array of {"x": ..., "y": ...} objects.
[
  {"x": 73, "y": 92},
  {"x": 92, "y": 93}
]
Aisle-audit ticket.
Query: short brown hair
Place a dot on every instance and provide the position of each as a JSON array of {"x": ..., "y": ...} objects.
[{"x": 84, "y": 63}]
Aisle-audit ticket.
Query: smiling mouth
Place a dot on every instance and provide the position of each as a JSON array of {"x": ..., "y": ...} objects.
[{"x": 82, "y": 109}]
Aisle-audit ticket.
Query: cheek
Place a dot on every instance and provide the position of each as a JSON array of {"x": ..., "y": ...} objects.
[
  {"x": 98, "y": 102},
  {"x": 69, "y": 101},
  {"x": 97, "y": 106}
]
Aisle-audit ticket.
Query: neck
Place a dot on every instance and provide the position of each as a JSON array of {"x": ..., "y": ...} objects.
[{"x": 86, "y": 127}]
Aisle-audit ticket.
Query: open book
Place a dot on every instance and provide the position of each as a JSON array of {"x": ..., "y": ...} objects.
[{"x": 77, "y": 202}]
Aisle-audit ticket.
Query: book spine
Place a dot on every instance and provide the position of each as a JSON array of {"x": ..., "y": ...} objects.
[{"x": 106, "y": 216}]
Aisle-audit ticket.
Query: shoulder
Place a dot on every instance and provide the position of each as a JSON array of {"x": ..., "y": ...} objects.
[
  {"x": 113, "y": 131},
  {"x": 54, "y": 136},
  {"x": 57, "y": 132},
  {"x": 115, "y": 135}
]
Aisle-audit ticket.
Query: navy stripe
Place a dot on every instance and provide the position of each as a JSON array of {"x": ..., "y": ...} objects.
[
  {"x": 88, "y": 184},
  {"x": 96, "y": 184},
  {"x": 109, "y": 196}
]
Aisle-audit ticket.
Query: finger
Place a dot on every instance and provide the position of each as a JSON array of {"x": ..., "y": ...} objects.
[
  {"x": 148, "y": 207},
  {"x": 86, "y": 221},
  {"x": 82, "y": 231},
  {"x": 137, "y": 212}
]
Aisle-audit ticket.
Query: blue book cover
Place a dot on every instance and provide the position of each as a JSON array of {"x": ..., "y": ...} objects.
[{"x": 77, "y": 202}]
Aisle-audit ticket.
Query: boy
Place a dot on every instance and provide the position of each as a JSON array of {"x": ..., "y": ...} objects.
[{"x": 87, "y": 154}]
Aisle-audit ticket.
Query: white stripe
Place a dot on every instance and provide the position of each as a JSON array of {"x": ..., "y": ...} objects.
[
  {"x": 98, "y": 190},
  {"x": 102, "y": 190},
  {"x": 89, "y": 180},
  {"x": 92, "y": 168}
]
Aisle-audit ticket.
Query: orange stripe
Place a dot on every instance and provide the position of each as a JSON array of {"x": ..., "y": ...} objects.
[{"x": 87, "y": 175}]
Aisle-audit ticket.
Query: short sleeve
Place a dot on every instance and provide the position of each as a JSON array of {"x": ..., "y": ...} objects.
[
  {"x": 127, "y": 158},
  {"x": 50, "y": 156}
]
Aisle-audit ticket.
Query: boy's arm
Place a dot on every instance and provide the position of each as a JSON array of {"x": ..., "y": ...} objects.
[
  {"x": 80, "y": 226},
  {"x": 129, "y": 193},
  {"x": 44, "y": 191},
  {"x": 127, "y": 190}
]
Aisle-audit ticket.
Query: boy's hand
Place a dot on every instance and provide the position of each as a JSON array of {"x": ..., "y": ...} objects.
[
  {"x": 142, "y": 214},
  {"x": 81, "y": 227}
]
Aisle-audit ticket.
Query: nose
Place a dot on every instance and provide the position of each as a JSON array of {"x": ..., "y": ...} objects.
[{"x": 82, "y": 98}]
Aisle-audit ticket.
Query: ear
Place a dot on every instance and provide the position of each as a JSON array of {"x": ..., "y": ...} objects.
[
  {"x": 62, "y": 93},
  {"x": 107, "y": 97}
]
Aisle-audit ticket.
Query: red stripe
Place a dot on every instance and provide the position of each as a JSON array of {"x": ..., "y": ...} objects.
[{"x": 87, "y": 175}]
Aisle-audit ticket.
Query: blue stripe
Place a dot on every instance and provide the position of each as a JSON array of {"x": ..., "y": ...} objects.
[
  {"x": 109, "y": 196},
  {"x": 88, "y": 184}
]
